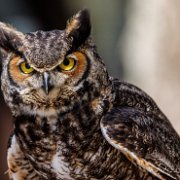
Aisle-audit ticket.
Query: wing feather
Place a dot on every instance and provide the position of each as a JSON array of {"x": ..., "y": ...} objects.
[{"x": 144, "y": 140}]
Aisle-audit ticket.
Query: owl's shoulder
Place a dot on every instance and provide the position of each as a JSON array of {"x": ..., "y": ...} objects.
[
  {"x": 125, "y": 87},
  {"x": 127, "y": 94}
]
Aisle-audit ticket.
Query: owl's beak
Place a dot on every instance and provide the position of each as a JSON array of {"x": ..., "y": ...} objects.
[{"x": 46, "y": 84}]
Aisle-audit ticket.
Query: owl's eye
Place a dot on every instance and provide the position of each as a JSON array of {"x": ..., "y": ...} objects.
[
  {"x": 68, "y": 64},
  {"x": 26, "y": 68}
]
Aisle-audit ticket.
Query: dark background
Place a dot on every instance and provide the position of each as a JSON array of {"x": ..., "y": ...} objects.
[{"x": 138, "y": 41}]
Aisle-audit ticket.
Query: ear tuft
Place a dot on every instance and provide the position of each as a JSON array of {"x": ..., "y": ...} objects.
[
  {"x": 10, "y": 39},
  {"x": 79, "y": 27}
]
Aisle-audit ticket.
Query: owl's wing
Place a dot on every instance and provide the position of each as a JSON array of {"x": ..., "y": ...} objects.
[{"x": 144, "y": 140}]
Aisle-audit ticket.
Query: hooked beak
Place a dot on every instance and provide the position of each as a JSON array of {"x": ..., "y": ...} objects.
[{"x": 46, "y": 84}]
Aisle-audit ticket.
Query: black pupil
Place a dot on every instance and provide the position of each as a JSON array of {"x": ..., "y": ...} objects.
[
  {"x": 66, "y": 62},
  {"x": 27, "y": 66}
]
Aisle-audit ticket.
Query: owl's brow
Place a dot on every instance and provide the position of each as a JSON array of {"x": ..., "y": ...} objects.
[
  {"x": 23, "y": 56},
  {"x": 18, "y": 53}
]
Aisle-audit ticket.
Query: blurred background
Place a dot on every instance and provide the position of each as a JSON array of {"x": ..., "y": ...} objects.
[{"x": 138, "y": 40}]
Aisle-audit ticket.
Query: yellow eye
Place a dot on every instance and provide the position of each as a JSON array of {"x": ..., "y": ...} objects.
[
  {"x": 26, "y": 68},
  {"x": 68, "y": 64}
]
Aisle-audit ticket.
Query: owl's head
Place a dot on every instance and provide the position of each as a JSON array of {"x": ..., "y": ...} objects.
[{"x": 53, "y": 71}]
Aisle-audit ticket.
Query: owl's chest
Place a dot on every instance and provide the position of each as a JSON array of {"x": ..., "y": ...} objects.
[
  {"x": 62, "y": 147},
  {"x": 75, "y": 165}
]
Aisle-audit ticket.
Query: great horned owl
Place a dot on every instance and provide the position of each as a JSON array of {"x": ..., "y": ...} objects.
[{"x": 71, "y": 119}]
